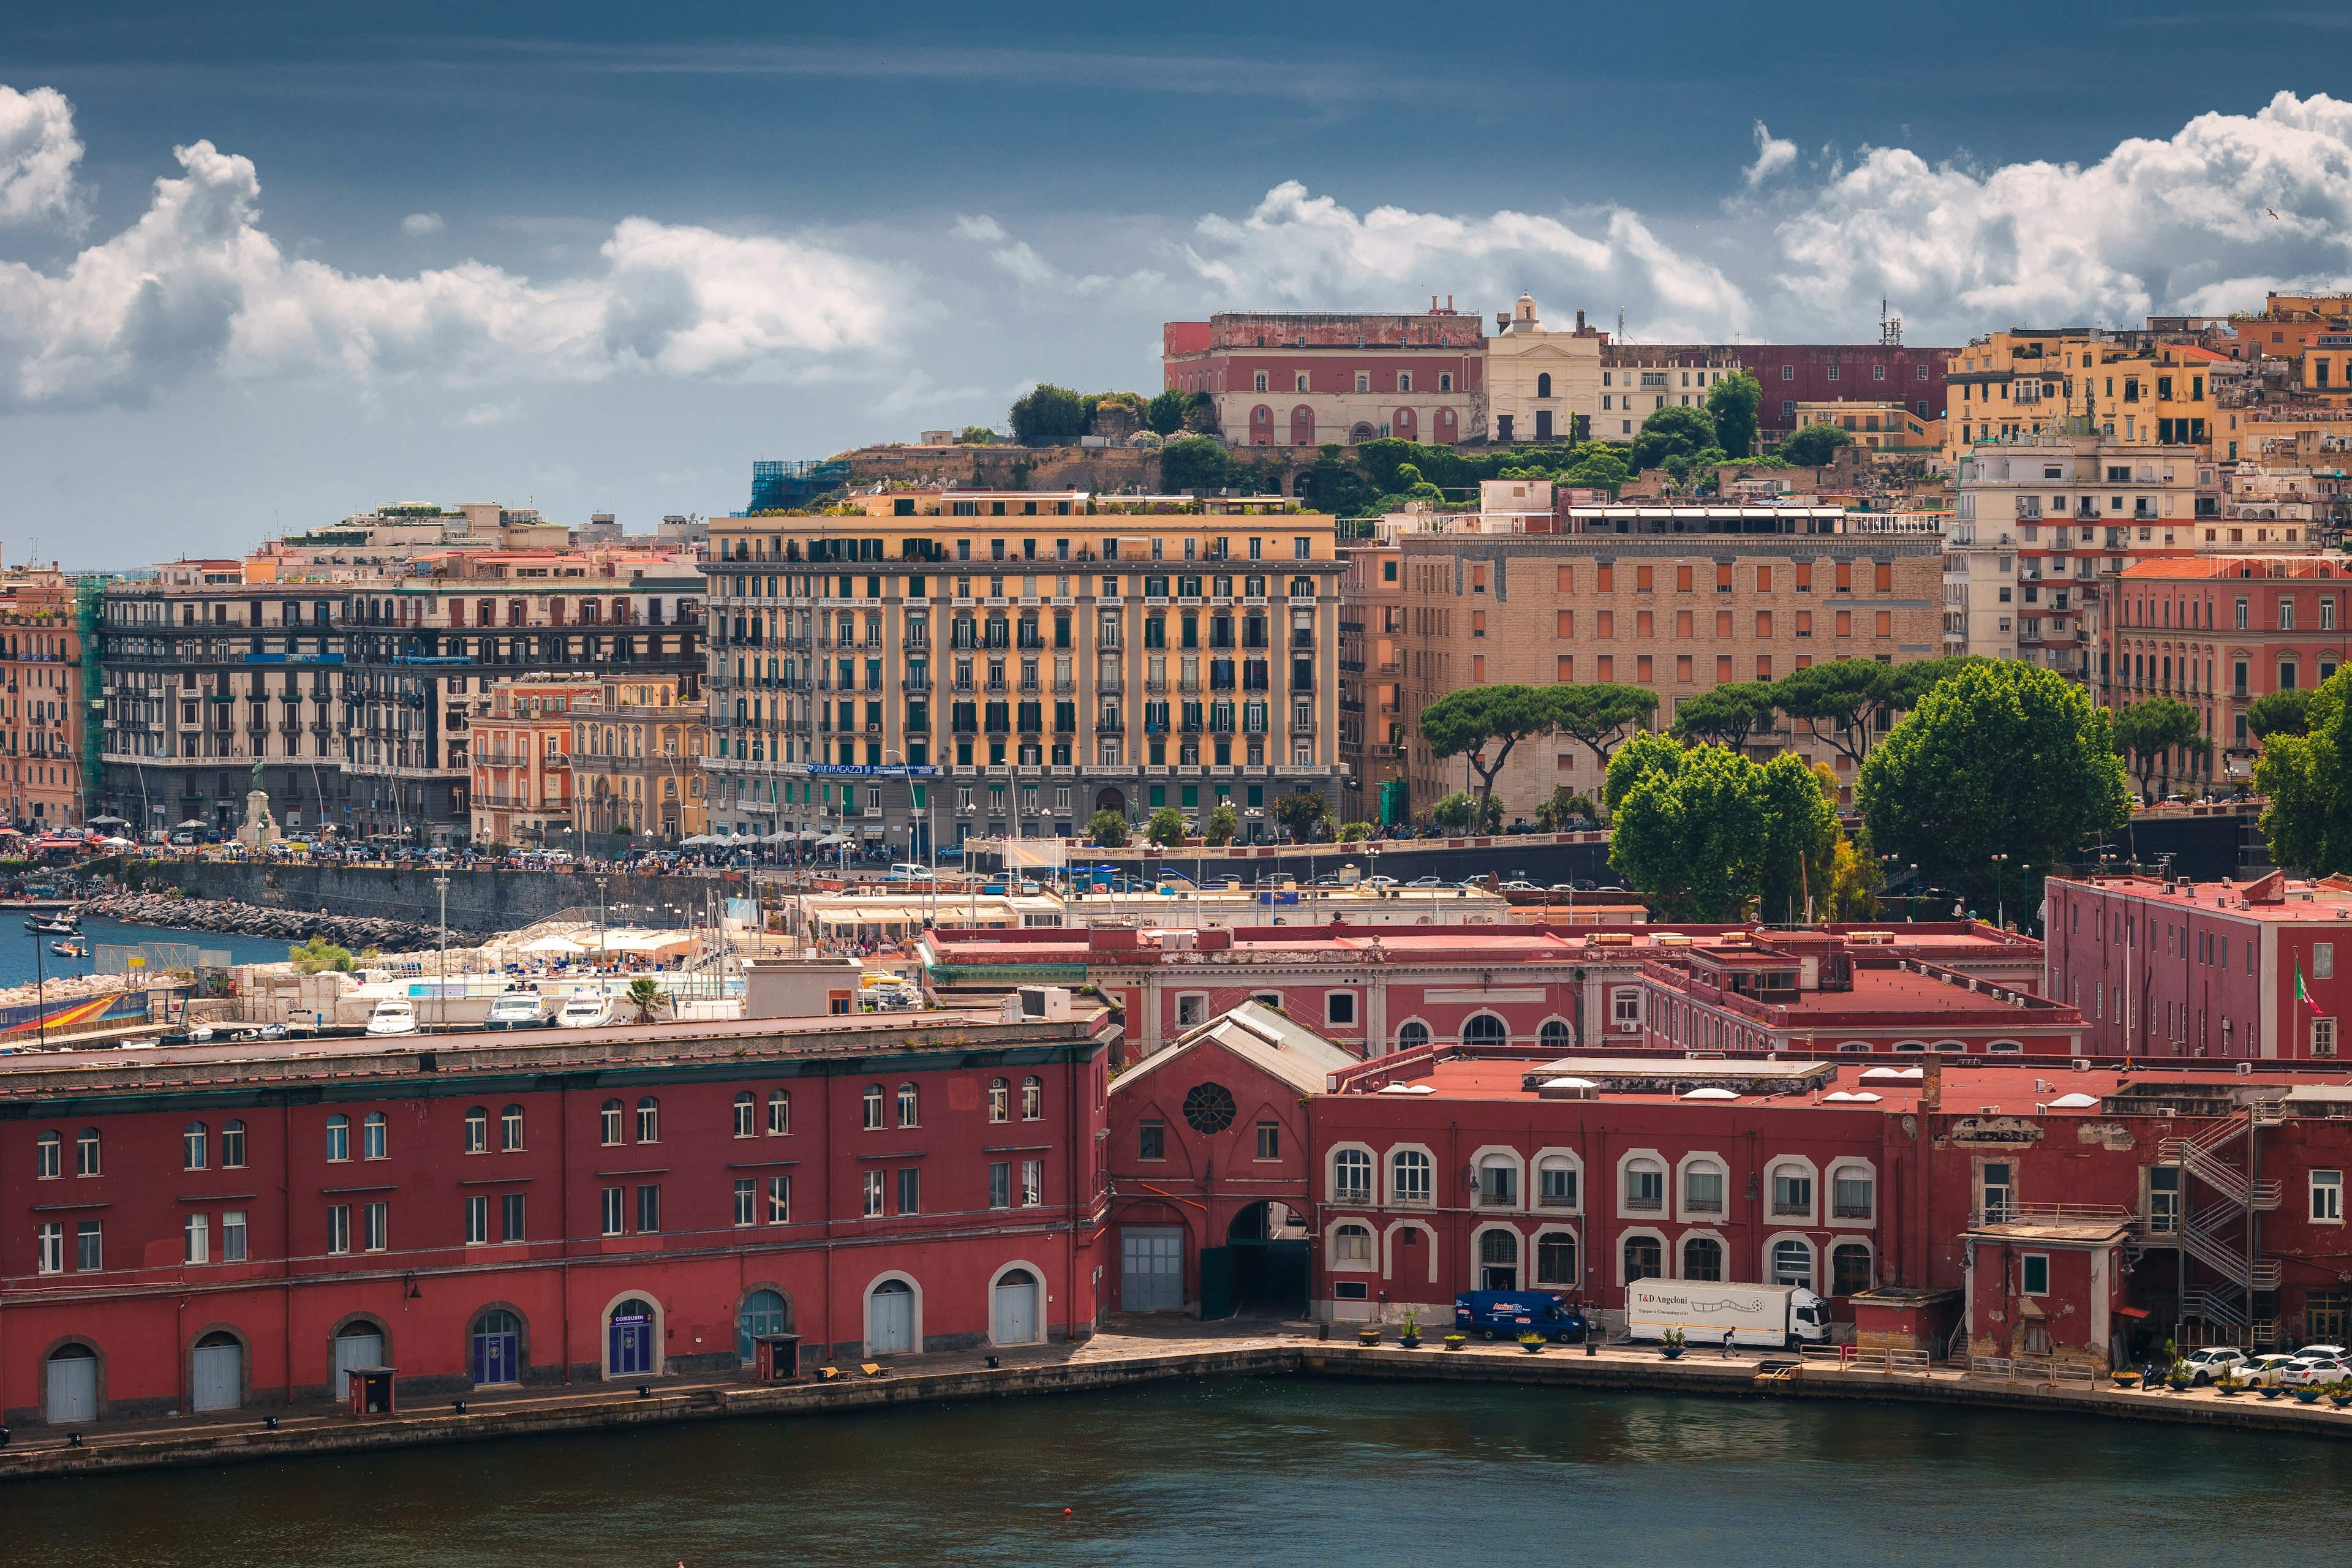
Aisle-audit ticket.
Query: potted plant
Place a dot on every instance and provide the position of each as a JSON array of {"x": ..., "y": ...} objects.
[
  {"x": 1673, "y": 1343},
  {"x": 2229, "y": 1382},
  {"x": 1456, "y": 1342},
  {"x": 1411, "y": 1338},
  {"x": 2125, "y": 1379},
  {"x": 2339, "y": 1394},
  {"x": 2306, "y": 1393},
  {"x": 1370, "y": 1334},
  {"x": 2270, "y": 1390},
  {"x": 1532, "y": 1342}
]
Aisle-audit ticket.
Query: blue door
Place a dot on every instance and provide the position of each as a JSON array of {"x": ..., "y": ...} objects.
[
  {"x": 631, "y": 1347},
  {"x": 497, "y": 1340}
]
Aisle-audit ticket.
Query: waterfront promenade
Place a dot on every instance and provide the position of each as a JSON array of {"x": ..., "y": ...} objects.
[{"x": 1128, "y": 1352}]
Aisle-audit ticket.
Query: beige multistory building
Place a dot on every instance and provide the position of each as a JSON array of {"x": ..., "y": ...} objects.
[
  {"x": 1372, "y": 644},
  {"x": 637, "y": 760},
  {"x": 522, "y": 789},
  {"x": 1677, "y": 599},
  {"x": 1542, "y": 384},
  {"x": 2135, "y": 389},
  {"x": 952, "y": 664}
]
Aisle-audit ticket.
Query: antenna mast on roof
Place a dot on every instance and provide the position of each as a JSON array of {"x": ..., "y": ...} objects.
[
  {"x": 1890, "y": 329},
  {"x": 1620, "y": 323}
]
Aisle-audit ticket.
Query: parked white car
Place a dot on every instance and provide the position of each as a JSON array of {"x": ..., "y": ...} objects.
[
  {"x": 392, "y": 1016},
  {"x": 2267, "y": 1371},
  {"x": 2211, "y": 1362},
  {"x": 2306, "y": 1370}
]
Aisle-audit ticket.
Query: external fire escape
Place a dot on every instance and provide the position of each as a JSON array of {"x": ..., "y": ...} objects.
[{"x": 2222, "y": 1195}]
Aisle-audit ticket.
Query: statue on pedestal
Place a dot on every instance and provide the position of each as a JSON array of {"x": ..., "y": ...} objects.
[{"x": 260, "y": 827}]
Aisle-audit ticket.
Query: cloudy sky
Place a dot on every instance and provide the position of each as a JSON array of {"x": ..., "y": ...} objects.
[{"x": 262, "y": 265}]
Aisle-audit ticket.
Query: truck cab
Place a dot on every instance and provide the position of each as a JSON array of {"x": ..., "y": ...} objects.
[{"x": 1495, "y": 1314}]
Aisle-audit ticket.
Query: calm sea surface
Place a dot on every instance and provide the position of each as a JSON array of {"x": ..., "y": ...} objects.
[
  {"x": 19, "y": 947},
  {"x": 1251, "y": 1471}
]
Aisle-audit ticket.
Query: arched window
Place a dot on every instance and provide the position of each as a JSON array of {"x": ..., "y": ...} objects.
[
  {"x": 1498, "y": 1182},
  {"x": 1352, "y": 1247},
  {"x": 1033, "y": 1099},
  {"x": 909, "y": 1107},
  {"x": 232, "y": 1145},
  {"x": 1645, "y": 1187},
  {"x": 47, "y": 1152},
  {"x": 477, "y": 1130},
  {"x": 194, "y": 1140},
  {"x": 747, "y": 1112},
  {"x": 1556, "y": 1183},
  {"x": 1486, "y": 1030},
  {"x": 1412, "y": 1036},
  {"x": 1408, "y": 1177},
  {"x": 780, "y": 1113},
  {"x": 1702, "y": 1258},
  {"x": 1543, "y": 385},
  {"x": 374, "y": 1136},
  {"x": 1352, "y": 1178},
  {"x": 999, "y": 1099},
  {"x": 1702, "y": 1189},
  {"x": 1498, "y": 1259},
  {"x": 1850, "y": 1270},
  {"x": 873, "y": 1102},
  {"x": 1645, "y": 1258},
  {"x": 610, "y": 1133},
  {"x": 1555, "y": 1036},
  {"x": 1792, "y": 1263},
  {"x": 1556, "y": 1259},
  {"x": 510, "y": 1130},
  {"x": 762, "y": 1312},
  {"x": 339, "y": 1137}
]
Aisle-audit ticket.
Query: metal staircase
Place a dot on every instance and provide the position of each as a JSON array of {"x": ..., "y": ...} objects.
[{"x": 2220, "y": 1234}]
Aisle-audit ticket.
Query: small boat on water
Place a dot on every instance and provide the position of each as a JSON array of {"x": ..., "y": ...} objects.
[
  {"x": 69, "y": 949},
  {"x": 56, "y": 925}
]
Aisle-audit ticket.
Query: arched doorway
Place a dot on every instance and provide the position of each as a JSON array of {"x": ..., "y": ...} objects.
[
  {"x": 1405, "y": 424},
  {"x": 1110, "y": 800},
  {"x": 1302, "y": 426},
  {"x": 72, "y": 1384},
  {"x": 216, "y": 1373},
  {"x": 1261, "y": 1270},
  {"x": 890, "y": 1319},
  {"x": 1360, "y": 432},
  {"x": 1486, "y": 1030},
  {"x": 629, "y": 1339},
  {"x": 496, "y": 1351},
  {"x": 1017, "y": 1317},
  {"x": 357, "y": 1343},
  {"x": 764, "y": 1311}
]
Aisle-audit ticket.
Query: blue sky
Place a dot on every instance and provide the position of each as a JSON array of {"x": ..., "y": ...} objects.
[{"x": 601, "y": 257}]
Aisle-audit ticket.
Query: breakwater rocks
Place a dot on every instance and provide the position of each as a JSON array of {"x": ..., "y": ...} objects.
[{"x": 355, "y": 932}]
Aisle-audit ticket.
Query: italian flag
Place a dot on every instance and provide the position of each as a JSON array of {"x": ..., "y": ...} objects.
[{"x": 2301, "y": 994}]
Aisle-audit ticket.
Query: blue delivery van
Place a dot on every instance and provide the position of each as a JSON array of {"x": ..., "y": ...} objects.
[{"x": 1499, "y": 1314}]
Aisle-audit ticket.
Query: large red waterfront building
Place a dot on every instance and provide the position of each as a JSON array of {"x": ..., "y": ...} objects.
[
  {"x": 209, "y": 1227},
  {"x": 2043, "y": 1209}
]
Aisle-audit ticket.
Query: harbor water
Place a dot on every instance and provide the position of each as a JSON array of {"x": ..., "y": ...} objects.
[
  {"x": 20, "y": 949},
  {"x": 1251, "y": 1471}
]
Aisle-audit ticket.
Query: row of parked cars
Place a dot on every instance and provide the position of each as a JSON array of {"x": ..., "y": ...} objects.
[{"x": 2311, "y": 1366}]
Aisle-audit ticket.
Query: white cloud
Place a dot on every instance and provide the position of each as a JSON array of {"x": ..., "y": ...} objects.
[
  {"x": 195, "y": 285},
  {"x": 485, "y": 414},
  {"x": 38, "y": 154},
  {"x": 1027, "y": 267},
  {"x": 981, "y": 227},
  {"x": 421, "y": 223},
  {"x": 1297, "y": 249},
  {"x": 1772, "y": 155},
  {"x": 2181, "y": 224}
]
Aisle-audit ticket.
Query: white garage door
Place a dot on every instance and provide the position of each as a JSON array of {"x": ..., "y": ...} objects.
[{"x": 73, "y": 1388}]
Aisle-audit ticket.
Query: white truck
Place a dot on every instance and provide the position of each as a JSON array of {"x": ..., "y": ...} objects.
[{"x": 1778, "y": 1316}]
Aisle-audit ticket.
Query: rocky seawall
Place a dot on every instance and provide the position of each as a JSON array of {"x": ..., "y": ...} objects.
[{"x": 355, "y": 932}]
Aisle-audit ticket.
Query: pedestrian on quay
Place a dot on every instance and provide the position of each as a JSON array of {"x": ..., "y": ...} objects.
[{"x": 1727, "y": 1344}]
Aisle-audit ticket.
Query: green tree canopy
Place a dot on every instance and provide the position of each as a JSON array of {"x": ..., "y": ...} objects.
[
  {"x": 1728, "y": 714},
  {"x": 1303, "y": 811},
  {"x": 1702, "y": 831},
  {"x": 1482, "y": 723},
  {"x": 1797, "y": 862},
  {"x": 1166, "y": 827},
  {"x": 1458, "y": 812},
  {"x": 1733, "y": 402},
  {"x": 1673, "y": 432},
  {"x": 1599, "y": 715},
  {"x": 1197, "y": 464},
  {"x": 2307, "y": 779},
  {"x": 2001, "y": 758},
  {"x": 2279, "y": 713},
  {"x": 1813, "y": 445},
  {"x": 1109, "y": 830},
  {"x": 1165, "y": 413},
  {"x": 1049, "y": 416},
  {"x": 2147, "y": 731},
  {"x": 1840, "y": 698}
]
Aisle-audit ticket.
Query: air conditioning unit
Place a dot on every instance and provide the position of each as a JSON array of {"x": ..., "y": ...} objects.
[
  {"x": 2245, "y": 1069},
  {"x": 2082, "y": 1064}
]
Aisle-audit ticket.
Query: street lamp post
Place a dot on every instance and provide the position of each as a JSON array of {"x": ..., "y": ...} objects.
[
  {"x": 441, "y": 886},
  {"x": 2000, "y": 912}
]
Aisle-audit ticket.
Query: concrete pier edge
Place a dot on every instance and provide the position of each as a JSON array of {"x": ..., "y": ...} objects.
[{"x": 614, "y": 1407}]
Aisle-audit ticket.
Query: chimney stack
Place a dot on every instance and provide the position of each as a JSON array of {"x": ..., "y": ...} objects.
[
  {"x": 1580, "y": 323},
  {"x": 1931, "y": 1084}
]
